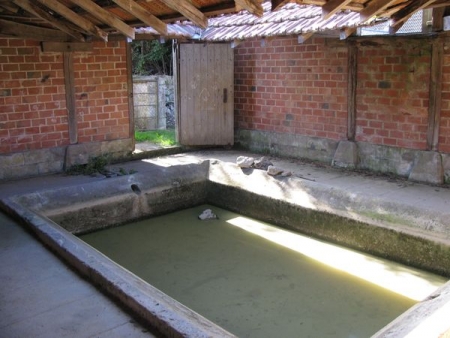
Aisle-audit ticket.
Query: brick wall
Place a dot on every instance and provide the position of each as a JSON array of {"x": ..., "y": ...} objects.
[
  {"x": 101, "y": 93},
  {"x": 33, "y": 111},
  {"x": 392, "y": 93},
  {"x": 32, "y": 99},
  {"x": 444, "y": 132},
  {"x": 302, "y": 89},
  {"x": 292, "y": 88}
]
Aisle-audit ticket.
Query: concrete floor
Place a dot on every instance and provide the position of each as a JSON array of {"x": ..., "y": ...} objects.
[{"x": 40, "y": 296}]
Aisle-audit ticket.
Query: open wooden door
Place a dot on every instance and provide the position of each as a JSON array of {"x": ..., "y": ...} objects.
[{"x": 205, "y": 94}]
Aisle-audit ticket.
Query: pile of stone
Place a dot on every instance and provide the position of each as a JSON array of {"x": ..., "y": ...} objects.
[
  {"x": 207, "y": 214},
  {"x": 262, "y": 163}
]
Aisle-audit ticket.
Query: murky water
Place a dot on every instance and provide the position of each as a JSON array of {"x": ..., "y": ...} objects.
[{"x": 247, "y": 284}]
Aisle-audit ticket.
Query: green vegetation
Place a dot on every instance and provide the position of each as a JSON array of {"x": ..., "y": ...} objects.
[
  {"x": 152, "y": 57},
  {"x": 162, "y": 137},
  {"x": 97, "y": 165},
  {"x": 94, "y": 165}
]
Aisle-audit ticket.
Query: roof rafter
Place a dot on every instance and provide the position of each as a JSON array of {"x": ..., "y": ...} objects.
[
  {"x": 253, "y": 6},
  {"x": 19, "y": 30},
  {"x": 375, "y": 7},
  {"x": 189, "y": 11},
  {"x": 105, "y": 16},
  {"x": 40, "y": 13},
  {"x": 404, "y": 14},
  {"x": 76, "y": 19},
  {"x": 305, "y": 36},
  {"x": 332, "y": 7},
  {"x": 346, "y": 32},
  {"x": 276, "y": 4},
  {"x": 142, "y": 14}
]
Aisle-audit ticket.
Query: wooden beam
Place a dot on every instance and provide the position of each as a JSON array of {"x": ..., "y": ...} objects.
[
  {"x": 105, "y": 16},
  {"x": 375, "y": 7},
  {"x": 69, "y": 83},
  {"x": 277, "y": 4},
  {"x": 235, "y": 43},
  {"x": 332, "y": 7},
  {"x": 10, "y": 7},
  {"x": 40, "y": 13},
  {"x": 63, "y": 47},
  {"x": 189, "y": 11},
  {"x": 142, "y": 14},
  {"x": 438, "y": 19},
  {"x": 130, "y": 91},
  {"x": 302, "y": 38},
  {"x": 253, "y": 6},
  {"x": 404, "y": 14},
  {"x": 434, "y": 107},
  {"x": 346, "y": 32},
  {"x": 394, "y": 9},
  {"x": 355, "y": 6},
  {"x": 76, "y": 19},
  {"x": 352, "y": 72},
  {"x": 18, "y": 30}
]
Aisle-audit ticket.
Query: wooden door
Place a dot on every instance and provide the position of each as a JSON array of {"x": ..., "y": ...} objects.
[{"x": 206, "y": 94}]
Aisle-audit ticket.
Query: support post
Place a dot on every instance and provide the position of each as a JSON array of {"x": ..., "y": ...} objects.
[
  {"x": 129, "y": 62},
  {"x": 69, "y": 83},
  {"x": 434, "y": 107},
  {"x": 351, "y": 91}
]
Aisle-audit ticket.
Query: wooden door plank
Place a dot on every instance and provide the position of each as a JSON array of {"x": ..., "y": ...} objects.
[
  {"x": 229, "y": 105},
  {"x": 205, "y": 71},
  {"x": 204, "y": 98},
  {"x": 217, "y": 123}
]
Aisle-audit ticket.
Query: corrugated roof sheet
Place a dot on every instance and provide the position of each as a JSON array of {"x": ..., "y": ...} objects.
[{"x": 291, "y": 19}]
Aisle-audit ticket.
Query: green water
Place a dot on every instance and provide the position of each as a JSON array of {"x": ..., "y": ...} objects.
[{"x": 245, "y": 283}]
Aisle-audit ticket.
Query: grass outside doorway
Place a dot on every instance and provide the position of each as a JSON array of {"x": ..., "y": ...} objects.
[{"x": 163, "y": 138}]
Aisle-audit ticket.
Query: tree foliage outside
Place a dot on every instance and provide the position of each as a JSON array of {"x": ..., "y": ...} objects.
[{"x": 150, "y": 57}]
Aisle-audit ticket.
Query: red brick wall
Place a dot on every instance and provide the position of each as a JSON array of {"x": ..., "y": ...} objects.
[
  {"x": 291, "y": 87},
  {"x": 392, "y": 93},
  {"x": 101, "y": 93},
  {"x": 444, "y": 132},
  {"x": 33, "y": 111},
  {"x": 302, "y": 89},
  {"x": 32, "y": 100}
]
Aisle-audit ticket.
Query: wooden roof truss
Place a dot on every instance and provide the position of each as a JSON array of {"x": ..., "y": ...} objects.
[{"x": 84, "y": 20}]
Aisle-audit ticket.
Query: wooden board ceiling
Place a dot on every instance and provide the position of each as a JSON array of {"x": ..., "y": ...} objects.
[{"x": 84, "y": 20}]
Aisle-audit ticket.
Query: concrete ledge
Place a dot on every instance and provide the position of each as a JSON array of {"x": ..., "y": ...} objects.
[
  {"x": 162, "y": 312},
  {"x": 388, "y": 229},
  {"x": 427, "y": 168},
  {"x": 31, "y": 163},
  {"x": 55, "y": 160},
  {"x": 81, "y": 153},
  {"x": 446, "y": 167},
  {"x": 289, "y": 145},
  {"x": 346, "y": 155},
  {"x": 417, "y": 165}
]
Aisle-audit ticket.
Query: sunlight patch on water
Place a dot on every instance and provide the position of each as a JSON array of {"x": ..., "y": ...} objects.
[{"x": 408, "y": 282}]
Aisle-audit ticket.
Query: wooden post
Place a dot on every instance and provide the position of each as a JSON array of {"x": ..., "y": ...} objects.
[
  {"x": 351, "y": 90},
  {"x": 434, "y": 107},
  {"x": 130, "y": 90},
  {"x": 69, "y": 83}
]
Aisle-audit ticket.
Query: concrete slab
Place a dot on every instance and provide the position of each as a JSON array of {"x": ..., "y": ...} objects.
[
  {"x": 35, "y": 273},
  {"x": 41, "y": 297}
]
